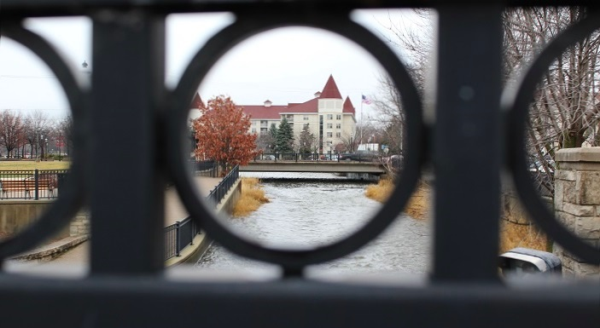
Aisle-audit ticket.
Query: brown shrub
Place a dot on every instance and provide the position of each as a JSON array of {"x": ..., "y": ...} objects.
[
  {"x": 251, "y": 199},
  {"x": 418, "y": 204},
  {"x": 381, "y": 191}
]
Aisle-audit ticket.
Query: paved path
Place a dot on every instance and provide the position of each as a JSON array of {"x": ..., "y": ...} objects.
[{"x": 174, "y": 211}]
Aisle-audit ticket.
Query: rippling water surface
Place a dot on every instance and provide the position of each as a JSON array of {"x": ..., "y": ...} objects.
[{"x": 305, "y": 215}]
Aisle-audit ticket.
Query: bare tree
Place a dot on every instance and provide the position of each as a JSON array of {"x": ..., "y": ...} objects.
[
  {"x": 11, "y": 129},
  {"x": 416, "y": 43},
  {"x": 265, "y": 142},
  {"x": 37, "y": 126},
  {"x": 565, "y": 112},
  {"x": 566, "y": 109}
]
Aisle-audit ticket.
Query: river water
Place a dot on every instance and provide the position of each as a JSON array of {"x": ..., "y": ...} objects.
[{"x": 309, "y": 214}]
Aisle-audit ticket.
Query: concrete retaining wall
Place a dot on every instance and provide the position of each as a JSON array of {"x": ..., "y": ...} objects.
[
  {"x": 15, "y": 215},
  {"x": 233, "y": 195}
]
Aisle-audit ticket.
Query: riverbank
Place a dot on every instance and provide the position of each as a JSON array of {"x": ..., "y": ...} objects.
[
  {"x": 251, "y": 198},
  {"x": 516, "y": 230},
  {"x": 418, "y": 205}
]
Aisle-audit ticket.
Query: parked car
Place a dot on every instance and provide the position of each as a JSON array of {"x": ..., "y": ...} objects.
[{"x": 359, "y": 157}]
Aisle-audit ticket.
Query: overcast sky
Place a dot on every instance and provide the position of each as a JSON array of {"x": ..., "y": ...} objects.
[{"x": 284, "y": 65}]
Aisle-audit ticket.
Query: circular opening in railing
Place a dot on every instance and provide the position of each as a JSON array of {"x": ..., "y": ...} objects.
[
  {"x": 294, "y": 107},
  {"x": 289, "y": 143},
  {"x": 39, "y": 103},
  {"x": 555, "y": 129}
]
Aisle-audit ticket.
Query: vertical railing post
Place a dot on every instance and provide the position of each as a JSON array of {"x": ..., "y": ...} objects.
[
  {"x": 36, "y": 175},
  {"x": 467, "y": 143},
  {"x": 177, "y": 238},
  {"x": 127, "y": 98},
  {"x": 190, "y": 222}
]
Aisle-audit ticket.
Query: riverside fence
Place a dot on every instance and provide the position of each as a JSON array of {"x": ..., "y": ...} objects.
[
  {"x": 181, "y": 234},
  {"x": 31, "y": 184}
]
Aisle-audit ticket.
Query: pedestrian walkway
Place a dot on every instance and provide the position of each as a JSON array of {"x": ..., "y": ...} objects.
[{"x": 174, "y": 211}]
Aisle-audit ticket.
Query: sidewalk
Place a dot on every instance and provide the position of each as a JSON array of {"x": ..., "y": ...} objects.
[{"x": 78, "y": 256}]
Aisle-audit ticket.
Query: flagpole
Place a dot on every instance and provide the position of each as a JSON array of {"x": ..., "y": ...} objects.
[{"x": 361, "y": 117}]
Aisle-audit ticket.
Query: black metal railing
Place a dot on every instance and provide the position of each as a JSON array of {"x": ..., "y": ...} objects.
[
  {"x": 320, "y": 156},
  {"x": 31, "y": 184},
  {"x": 182, "y": 233},
  {"x": 205, "y": 168},
  {"x": 179, "y": 236},
  {"x": 217, "y": 194},
  {"x": 472, "y": 136}
]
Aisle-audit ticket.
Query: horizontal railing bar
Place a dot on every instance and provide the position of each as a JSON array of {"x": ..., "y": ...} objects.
[
  {"x": 39, "y": 8},
  {"x": 129, "y": 302}
]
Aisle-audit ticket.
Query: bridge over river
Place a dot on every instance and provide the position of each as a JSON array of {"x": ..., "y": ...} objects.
[{"x": 314, "y": 167}]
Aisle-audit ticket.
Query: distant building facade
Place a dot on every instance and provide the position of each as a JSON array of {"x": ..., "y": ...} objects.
[{"x": 330, "y": 118}]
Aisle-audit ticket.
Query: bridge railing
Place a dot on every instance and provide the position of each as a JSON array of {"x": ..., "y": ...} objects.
[{"x": 318, "y": 156}]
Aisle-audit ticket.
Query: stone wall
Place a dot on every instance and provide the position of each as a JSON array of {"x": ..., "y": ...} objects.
[
  {"x": 80, "y": 225},
  {"x": 577, "y": 203}
]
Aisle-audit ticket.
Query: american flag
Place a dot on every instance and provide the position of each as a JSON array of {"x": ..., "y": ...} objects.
[{"x": 366, "y": 100}]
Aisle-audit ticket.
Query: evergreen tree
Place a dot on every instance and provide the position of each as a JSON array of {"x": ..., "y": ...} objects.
[
  {"x": 273, "y": 132},
  {"x": 285, "y": 137},
  {"x": 306, "y": 140}
]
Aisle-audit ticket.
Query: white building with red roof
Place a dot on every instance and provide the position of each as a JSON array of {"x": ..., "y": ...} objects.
[{"x": 329, "y": 117}]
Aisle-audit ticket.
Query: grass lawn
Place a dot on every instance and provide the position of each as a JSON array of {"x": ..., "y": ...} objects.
[{"x": 32, "y": 165}]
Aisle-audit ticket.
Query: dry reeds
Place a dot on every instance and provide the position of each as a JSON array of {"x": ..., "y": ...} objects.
[
  {"x": 418, "y": 205},
  {"x": 381, "y": 191},
  {"x": 251, "y": 199},
  {"x": 514, "y": 235}
]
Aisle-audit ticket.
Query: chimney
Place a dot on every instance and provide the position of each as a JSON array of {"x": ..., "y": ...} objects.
[
  {"x": 317, "y": 94},
  {"x": 268, "y": 103}
]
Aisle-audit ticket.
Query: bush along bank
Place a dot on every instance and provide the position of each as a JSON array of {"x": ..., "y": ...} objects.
[
  {"x": 418, "y": 205},
  {"x": 251, "y": 198}
]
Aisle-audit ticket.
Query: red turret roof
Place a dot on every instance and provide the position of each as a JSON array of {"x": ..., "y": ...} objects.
[
  {"x": 348, "y": 107},
  {"x": 197, "y": 102},
  {"x": 331, "y": 90},
  {"x": 271, "y": 112}
]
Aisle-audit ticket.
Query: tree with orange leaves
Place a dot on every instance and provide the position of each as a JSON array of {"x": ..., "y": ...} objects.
[{"x": 222, "y": 134}]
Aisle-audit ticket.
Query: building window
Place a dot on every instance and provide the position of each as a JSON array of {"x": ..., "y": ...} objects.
[
  {"x": 329, "y": 134},
  {"x": 329, "y": 125},
  {"x": 338, "y": 134},
  {"x": 338, "y": 126},
  {"x": 330, "y": 116},
  {"x": 329, "y": 143},
  {"x": 253, "y": 130},
  {"x": 306, "y": 117},
  {"x": 338, "y": 117},
  {"x": 305, "y": 125}
]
